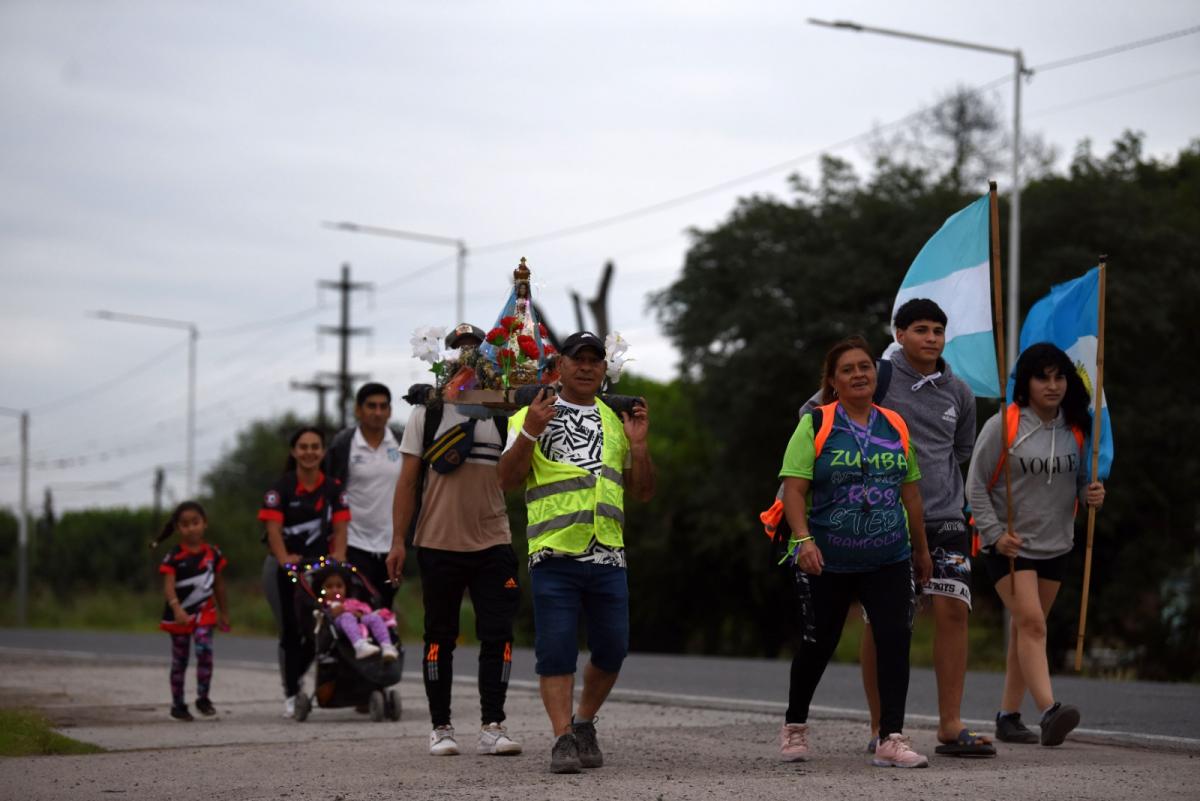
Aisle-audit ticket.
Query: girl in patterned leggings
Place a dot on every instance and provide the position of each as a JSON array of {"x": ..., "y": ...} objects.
[{"x": 192, "y": 581}]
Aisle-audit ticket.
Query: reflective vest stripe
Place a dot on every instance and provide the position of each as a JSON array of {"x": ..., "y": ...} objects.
[
  {"x": 611, "y": 512},
  {"x": 616, "y": 476},
  {"x": 566, "y": 485},
  {"x": 560, "y": 522}
]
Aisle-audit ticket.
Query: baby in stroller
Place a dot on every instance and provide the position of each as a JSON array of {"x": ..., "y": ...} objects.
[
  {"x": 355, "y": 619},
  {"x": 352, "y": 671}
]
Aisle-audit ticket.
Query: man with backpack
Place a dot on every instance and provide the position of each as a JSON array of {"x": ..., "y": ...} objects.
[
  {"x": 939, "y": 409},
  {"x": 448, "y": 482}
]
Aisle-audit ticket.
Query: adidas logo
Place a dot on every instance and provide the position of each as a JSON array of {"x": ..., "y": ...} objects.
[
  {"x": 511, "y": 584},
  {"x": 950, "y": 415}
]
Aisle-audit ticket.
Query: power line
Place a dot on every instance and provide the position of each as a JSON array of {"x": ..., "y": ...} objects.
[
  {"x": 111, "y": 382},
  {"x": 1116, "y": 93},
  {"x": 1112, "y": 51}
]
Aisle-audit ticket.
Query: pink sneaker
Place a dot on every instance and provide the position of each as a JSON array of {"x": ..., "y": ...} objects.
[
  {"x": 793, "y": 742},
  {"x": 895, "y": 752}
]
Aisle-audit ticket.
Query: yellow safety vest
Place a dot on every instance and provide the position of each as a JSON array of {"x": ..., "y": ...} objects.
[{"x": 568, "y": 505}]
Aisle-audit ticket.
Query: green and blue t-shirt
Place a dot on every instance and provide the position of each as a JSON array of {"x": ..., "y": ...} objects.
[{"x": 854, "y": 509}]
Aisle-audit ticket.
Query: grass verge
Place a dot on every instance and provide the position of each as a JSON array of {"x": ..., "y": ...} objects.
[{"x": 24, "y": 732}]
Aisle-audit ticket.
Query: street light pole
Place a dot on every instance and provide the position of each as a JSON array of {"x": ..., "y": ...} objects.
[
  {"x": 1014, "y": 228},
  {"x": 458, "y": 244},
  {"x": 22, "y": 518},
  {"x": 193, "y": 336}
]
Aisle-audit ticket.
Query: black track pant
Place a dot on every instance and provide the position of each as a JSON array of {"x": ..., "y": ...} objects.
[
  {"x": 490, "y": 576},
  {"x": 374, "y": 567},
  {"x": 296, "y": 650},
  {"x": 888, "y": 598}
]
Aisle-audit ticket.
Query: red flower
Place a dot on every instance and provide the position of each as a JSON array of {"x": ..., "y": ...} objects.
[
  {"x": 497, "y": 336},
  {"x": 542, "y": 330},
  {"x": 548, "y": 349},
  {"x": 528, "y": 346},
  {"x": 508, "y": 323},
  {"x": 506, "y": 358}
]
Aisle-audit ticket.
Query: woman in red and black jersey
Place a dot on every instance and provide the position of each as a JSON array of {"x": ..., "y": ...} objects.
[{"x": 305, "y": 514}]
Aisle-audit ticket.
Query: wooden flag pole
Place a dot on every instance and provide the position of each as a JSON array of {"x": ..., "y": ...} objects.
[
  {"x": 1097, "y": 396},
  {"x": 998, "y": 327}
]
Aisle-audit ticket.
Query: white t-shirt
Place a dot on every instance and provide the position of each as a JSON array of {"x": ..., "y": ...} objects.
[
  {"x": 575, "y": 435},
  {"x": 370, "y": 487}
]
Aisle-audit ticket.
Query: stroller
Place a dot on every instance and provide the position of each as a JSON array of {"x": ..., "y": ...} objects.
[{"x": 343, "y": 680}]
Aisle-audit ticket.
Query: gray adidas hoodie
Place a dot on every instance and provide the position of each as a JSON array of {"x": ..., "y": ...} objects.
[
  {"x": 940, "y": 413},
  {"x": 1047, "y": 478}
]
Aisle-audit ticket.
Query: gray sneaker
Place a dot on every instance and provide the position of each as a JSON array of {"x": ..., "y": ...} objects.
[
  {"x": 1010, "y": 729},
  {"x": 1056, "y": 724},
  {"x": 589, "y": 748},
  {"x": 564, "y": 756}
]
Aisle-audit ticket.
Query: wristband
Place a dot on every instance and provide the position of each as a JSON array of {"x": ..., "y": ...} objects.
[
  {"x": 527, "y": 435},
  {"x": 804, "y": 539}
]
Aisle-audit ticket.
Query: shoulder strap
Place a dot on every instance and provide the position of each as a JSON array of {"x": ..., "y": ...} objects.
[
  {"x": 501, "y": 424},
  {"x": 822, "y": 425},
  {"x": 883, "y": 380},
  {"x": 898, "y": 423},
  {"x": 433, "y": 419}
]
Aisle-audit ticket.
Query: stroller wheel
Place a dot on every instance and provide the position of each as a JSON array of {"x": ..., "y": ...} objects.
[
  {"x": 393, "y": 705},
  {"x": 303, "y": 706},
  {"x": 377, "y": 705}
]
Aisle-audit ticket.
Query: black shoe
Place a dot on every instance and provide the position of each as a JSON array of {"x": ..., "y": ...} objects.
[
  {"x": 1058, "y": 722},
  {"x": 564, "y": 756},
  {"x": 589, "y": 748},
  {"x": 180, "y": 712},
  {"x": 205, "y": 707},
  {"x": 1010, "y": 729}
]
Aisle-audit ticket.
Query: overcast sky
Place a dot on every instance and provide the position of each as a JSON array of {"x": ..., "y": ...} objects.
[{"x": 176, "y": 159}]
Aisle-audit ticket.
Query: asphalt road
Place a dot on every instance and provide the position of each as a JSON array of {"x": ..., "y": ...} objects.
[{"x": 1148, "y": 713}]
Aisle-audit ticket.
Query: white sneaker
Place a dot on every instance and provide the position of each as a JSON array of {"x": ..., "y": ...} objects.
[
  {"x": 390, "y": 654},
  {"x": 289, "y": 706},
  {"x": 494, "y": 739},
  {"x": 364, "y": 648},
  {"x": 441, "y": 741}
]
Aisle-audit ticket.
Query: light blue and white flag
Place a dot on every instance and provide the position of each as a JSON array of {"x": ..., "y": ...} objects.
[
  {"x": 1069, "y": 317},
  {"x": 952, "y": 270}
]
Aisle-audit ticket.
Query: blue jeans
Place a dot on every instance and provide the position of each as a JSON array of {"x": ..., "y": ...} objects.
[{"x": 563, "y": 587}]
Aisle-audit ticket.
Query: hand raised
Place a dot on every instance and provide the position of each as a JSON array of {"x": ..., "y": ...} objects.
[
  {"x": 541, "y": 412},
  {"x": 637, "y": 422}
]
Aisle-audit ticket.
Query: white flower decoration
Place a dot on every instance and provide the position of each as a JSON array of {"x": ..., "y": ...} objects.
[
  {"x": 615, "y": 346},
  {"x": 427, "y": 343}
]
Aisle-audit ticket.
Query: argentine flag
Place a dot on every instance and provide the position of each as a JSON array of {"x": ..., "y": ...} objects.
[
  {"x": 952, "y": 270},
  {"x": 1069, "y": 317}
]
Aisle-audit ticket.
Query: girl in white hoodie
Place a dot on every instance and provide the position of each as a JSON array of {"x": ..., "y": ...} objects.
[{"x": 1049, "y": 480}]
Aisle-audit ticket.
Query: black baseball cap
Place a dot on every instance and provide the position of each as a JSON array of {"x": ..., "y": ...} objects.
[
  {"x": 464, "y": 330},
  {"x": 580, "y": 340}
]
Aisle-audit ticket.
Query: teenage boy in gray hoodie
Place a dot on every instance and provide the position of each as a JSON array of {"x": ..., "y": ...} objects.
[{"x": 939, "y": 409}]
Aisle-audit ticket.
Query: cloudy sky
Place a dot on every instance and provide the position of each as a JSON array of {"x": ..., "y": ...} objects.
[{"x": 176, "y": 159}]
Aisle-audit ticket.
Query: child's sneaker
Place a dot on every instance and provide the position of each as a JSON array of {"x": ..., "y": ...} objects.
[
  {"x": 793, "y": 742},
  {"x": 205, "y": 707},
  {"x": 180, "y": 712},
  {"x": 1010, "y": 729},
  {"x": 494, "y": 739},
  {"x": 894, "y": 751},
  {"x": 289, "y": 706},
  {"x": 1058, "y": 722},
  {"x": 364, "y": 649},
  {"x": 390, "y": 654},
  {"x": 441, "y": 741}
]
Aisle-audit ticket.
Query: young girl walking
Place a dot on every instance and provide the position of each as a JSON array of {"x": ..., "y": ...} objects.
[{"x": 192, "y": 581}]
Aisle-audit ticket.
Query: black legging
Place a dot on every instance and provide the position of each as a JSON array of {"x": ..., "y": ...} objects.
[
  {"x": 887, "y": 596},
  {"x": 295, "y": 652}
]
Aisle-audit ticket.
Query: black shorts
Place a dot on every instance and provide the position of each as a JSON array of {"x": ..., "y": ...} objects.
[{"x": 1052, "y": 569}]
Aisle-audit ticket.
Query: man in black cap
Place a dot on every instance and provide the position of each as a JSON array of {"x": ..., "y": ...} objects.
[
  {"x": 463, "y": 543},
  {"x": 576, "y": 458}
]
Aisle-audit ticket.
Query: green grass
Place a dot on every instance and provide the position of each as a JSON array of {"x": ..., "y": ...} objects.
[
  {"x": 26, "y": 733},
  {"x": 124, "y": 609}
]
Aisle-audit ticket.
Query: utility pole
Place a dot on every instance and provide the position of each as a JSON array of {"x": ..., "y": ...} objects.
[
  {"x": 344, "y": 331},
  {"x": 321, "y": 389},
  {"x": 22, "y": 517}
]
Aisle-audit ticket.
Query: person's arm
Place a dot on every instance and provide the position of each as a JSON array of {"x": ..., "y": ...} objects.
[
  {"x": 640, "y": 478},
  {"x": 181, "y": 617},
  {"x": 222, "y": 602},
  {"x": 992, "y": 529},
  {"x": 517, "y": 461},
  {"x": 404, "y": 501},
  {"x": 275, "y": 544},
  {"x": 910, "y": 496},
  {"x": 964, "y": 433},
  {"x": 795, "y": 508},
  {"x": 337, "y": 540}
]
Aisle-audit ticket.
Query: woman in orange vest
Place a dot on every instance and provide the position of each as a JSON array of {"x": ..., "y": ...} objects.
[
  {"x": 1045, "y": 426},
  {"x": 849, "y": 478}
]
